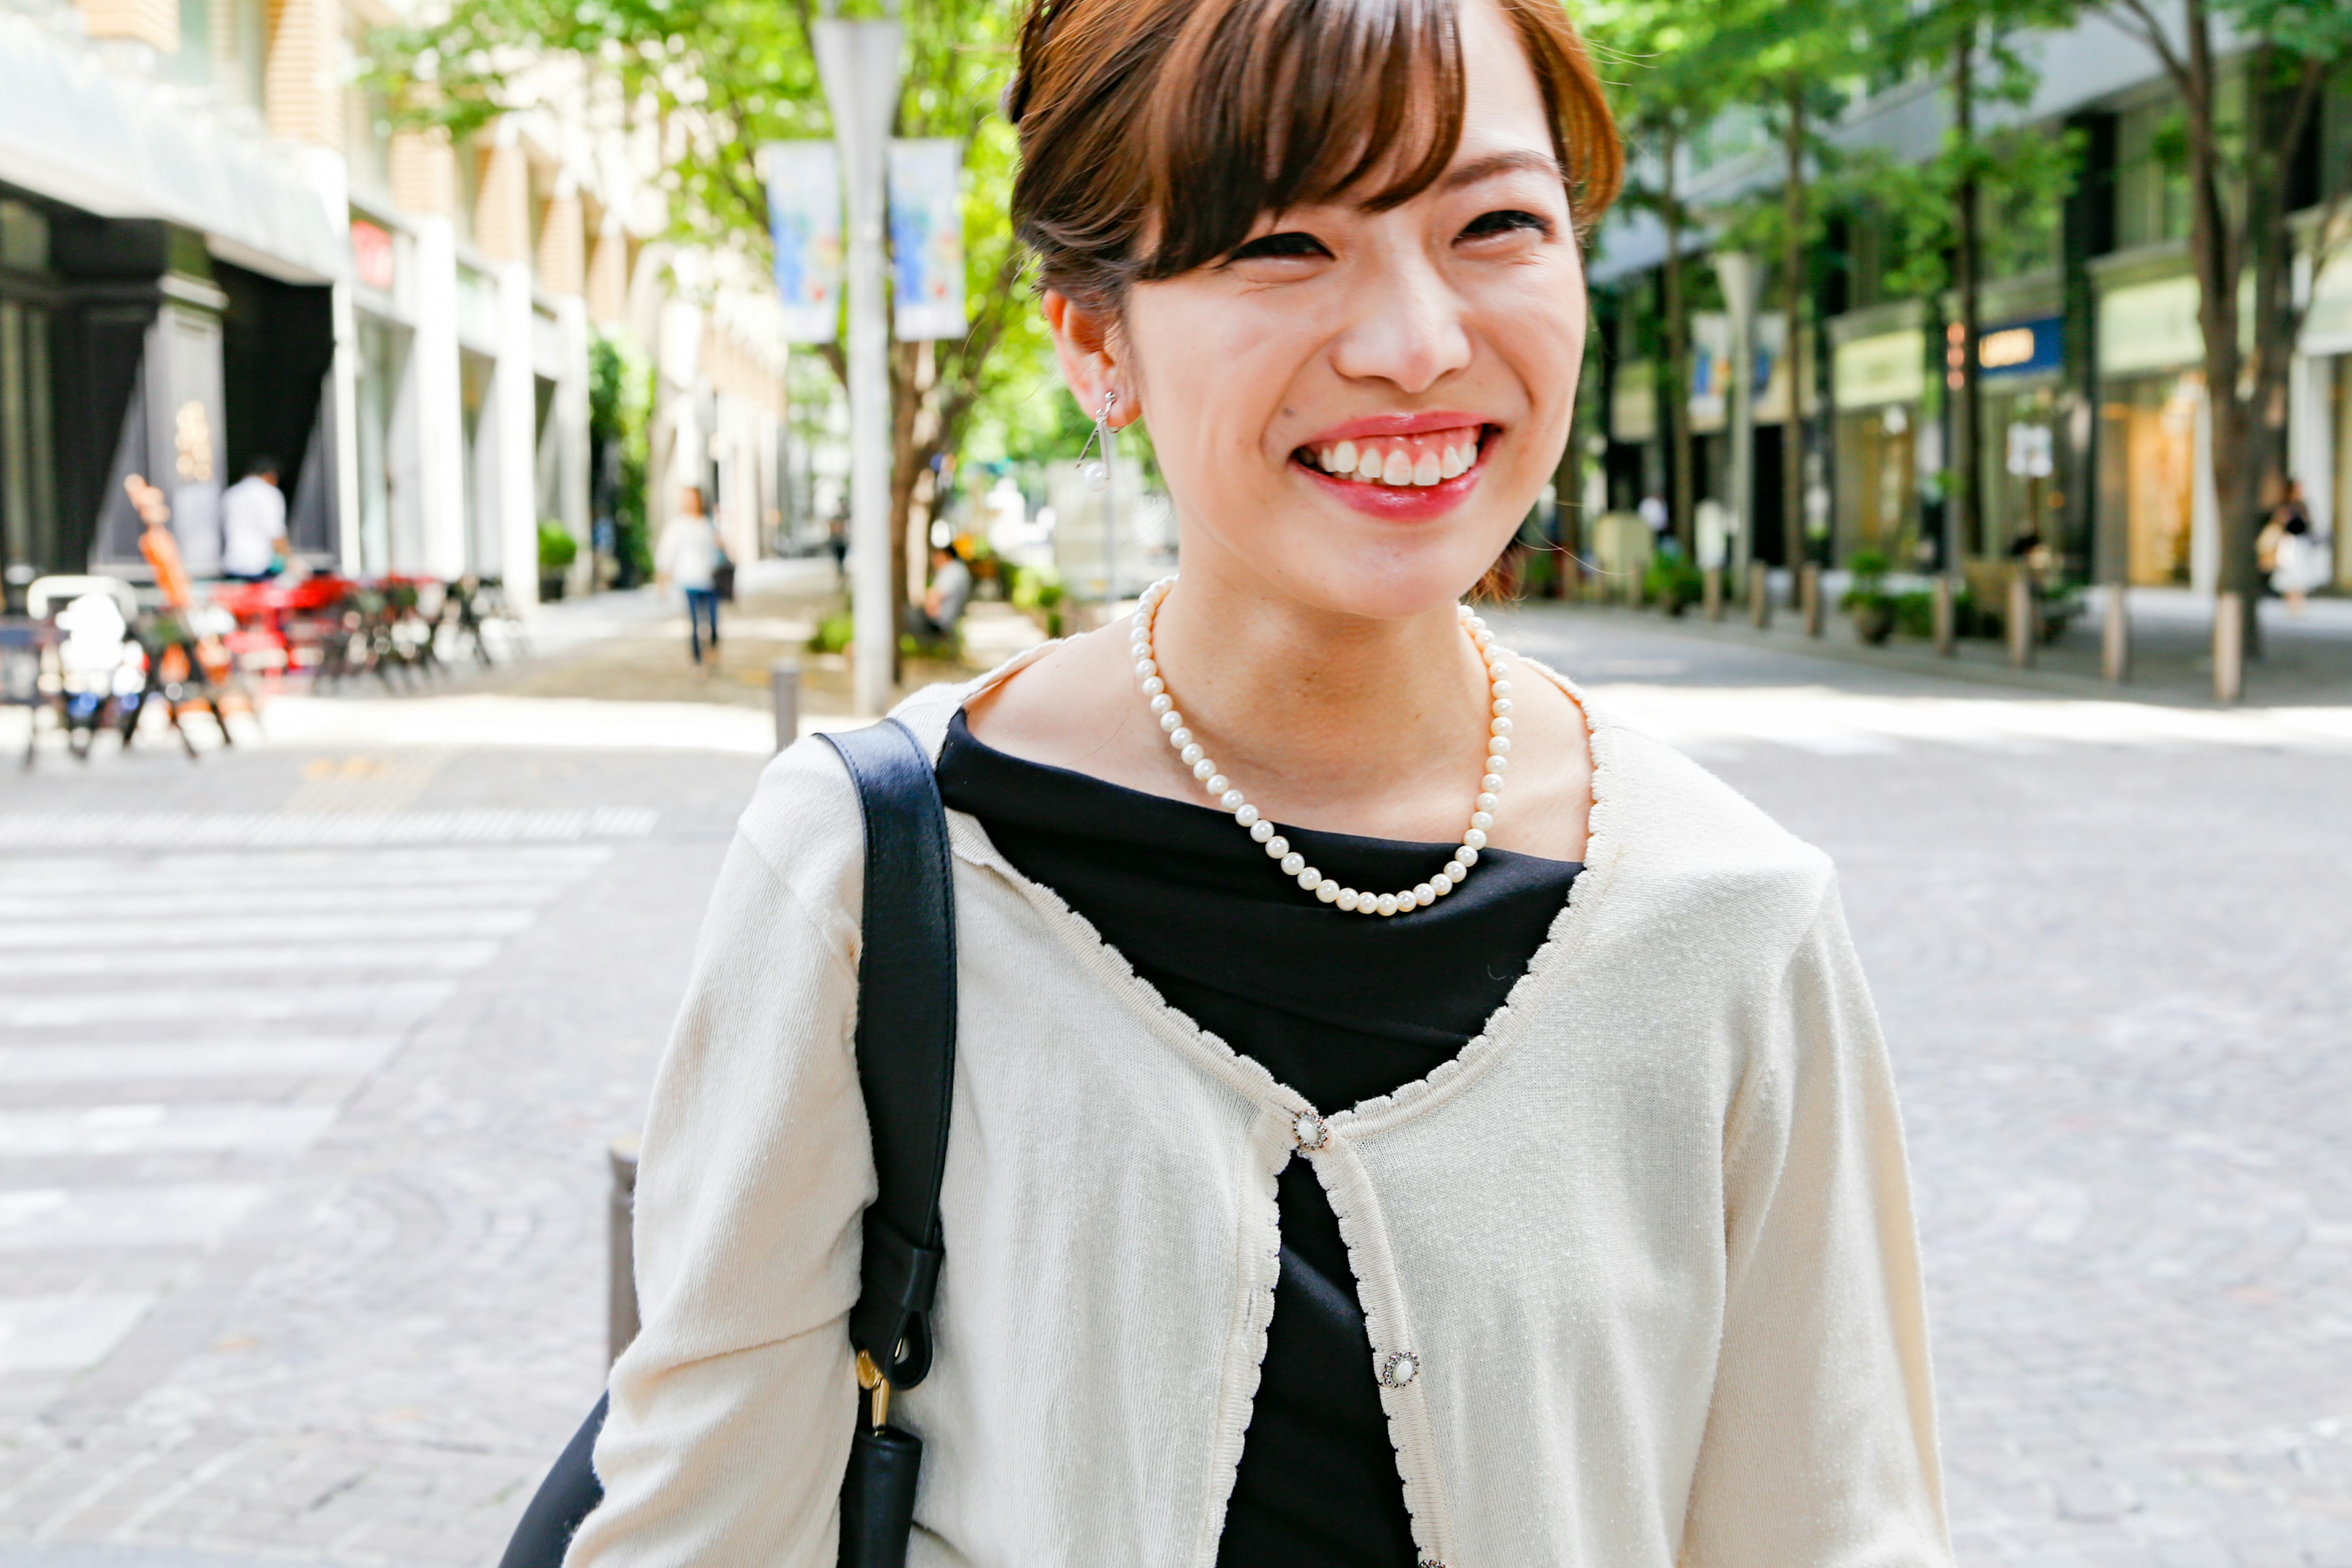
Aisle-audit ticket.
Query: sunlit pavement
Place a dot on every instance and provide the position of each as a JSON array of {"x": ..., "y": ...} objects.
[{"x": 309, "y": 1053}]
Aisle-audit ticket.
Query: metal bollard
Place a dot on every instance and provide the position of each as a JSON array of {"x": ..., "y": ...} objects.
[
  {"x": 2021, "y": 617},
  {"x": 784, "y": 687},
  {"x": 1711, "y": 592},
  {"x": 1809, "y": 596},
  {"x": 1760, "y": 595},
  {"x": 1948, "y": 617},
  {"x": 2229, "y": 648},
  {"x": 620, "y": 1289},
  {"x": 2115, "y": 636}
]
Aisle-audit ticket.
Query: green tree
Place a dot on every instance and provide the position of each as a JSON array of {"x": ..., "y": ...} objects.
[
  {"x": 713, "y": 80},
  {"x": 2238, "y": 167}
]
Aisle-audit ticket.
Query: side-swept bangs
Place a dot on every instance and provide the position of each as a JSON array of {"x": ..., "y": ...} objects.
[{"x": 1155, "y": 132}]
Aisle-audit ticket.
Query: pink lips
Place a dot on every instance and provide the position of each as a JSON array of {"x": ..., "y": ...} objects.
[{"x": 1391, "y": 433}]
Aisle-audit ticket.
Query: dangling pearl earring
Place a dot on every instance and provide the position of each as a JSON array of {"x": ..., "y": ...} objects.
[{"x": 1096, "y": 472}]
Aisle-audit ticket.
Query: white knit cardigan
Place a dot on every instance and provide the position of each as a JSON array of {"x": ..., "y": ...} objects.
[{"x": 1648, "y": 1237}]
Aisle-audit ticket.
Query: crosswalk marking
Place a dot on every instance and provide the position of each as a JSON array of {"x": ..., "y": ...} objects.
[
  {"x": 316, "y": 958},
  {"x": 70, "y": 1332},
  {"x": 78, "y": 1063},
  {"x": 403, "y": 1002},
  {"x": 131, "y": 936},
  {"x": 61, "y": 1219},
  {"x": 150, "y": 1128},
  {"x": 211, "y": 990}
]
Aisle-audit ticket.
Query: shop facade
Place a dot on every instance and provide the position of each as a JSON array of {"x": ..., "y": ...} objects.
[
  {"x": 1878, "y": 379},
  {"x": 2156, "y": 470}
]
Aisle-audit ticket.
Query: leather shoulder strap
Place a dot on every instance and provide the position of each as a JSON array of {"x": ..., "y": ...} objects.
[{"x": 906, "y": 1040}]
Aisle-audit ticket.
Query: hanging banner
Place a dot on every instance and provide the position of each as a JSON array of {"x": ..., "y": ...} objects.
[
  {"x": 804, "y": 223},
  {"x": 927, "y": 238}
]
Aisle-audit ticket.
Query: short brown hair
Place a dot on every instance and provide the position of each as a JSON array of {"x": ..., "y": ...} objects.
[{"x": 1154, "y": 132}]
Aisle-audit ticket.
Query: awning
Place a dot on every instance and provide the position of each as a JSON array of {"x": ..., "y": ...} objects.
[{"x": 125, "y": 147}]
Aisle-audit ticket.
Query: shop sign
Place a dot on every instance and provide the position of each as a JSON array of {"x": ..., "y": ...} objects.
[
  {"x": 372, "y": 257},
  {"x": 2020, "y": 349},
  {"x": 1710, "y": 370},
  {"x": 2150, "y": 326},
  {"x": 1890, "y": 367},
  {"x": 1634, "y": 402}
]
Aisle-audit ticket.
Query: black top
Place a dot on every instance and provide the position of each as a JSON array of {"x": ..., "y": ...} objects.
[{"x": 1340, "y": 1007}]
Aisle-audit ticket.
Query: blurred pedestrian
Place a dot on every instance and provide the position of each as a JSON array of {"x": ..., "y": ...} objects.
[
  {"x": 687, "y": 558},
  {"x": 2298, "y": 554},
  {"x": 949, "y": 591},
  {"x": 253, "y": 524},
  {"x": 1556, "y": 1217}
]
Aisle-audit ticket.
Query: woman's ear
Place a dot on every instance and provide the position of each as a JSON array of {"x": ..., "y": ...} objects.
[{"x": 1086, "y": 343}]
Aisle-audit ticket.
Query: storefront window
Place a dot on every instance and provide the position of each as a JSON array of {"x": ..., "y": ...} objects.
[
  {"x": 2147, "y": 472},
  {"x": 1878, "y": 489}
]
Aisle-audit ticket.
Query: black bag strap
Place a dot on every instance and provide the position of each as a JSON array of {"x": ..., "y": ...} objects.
[
  {"x": 906, "y": 1069},
  {"x": 906, "y": 1040}
]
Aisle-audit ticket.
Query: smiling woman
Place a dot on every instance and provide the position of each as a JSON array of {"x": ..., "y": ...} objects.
[{"x": 1352, "y": 1160}]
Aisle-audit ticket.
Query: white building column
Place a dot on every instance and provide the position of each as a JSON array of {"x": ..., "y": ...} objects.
[
  {"x": 572, "y": 477},
  {"x": 518, "y": 428},
  {"x": 440, "y": 400}
]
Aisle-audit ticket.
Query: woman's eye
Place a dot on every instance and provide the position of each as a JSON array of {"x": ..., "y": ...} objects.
[
  {"x": 1290, "y": 243},
  {"x": 1486, "y": 226}
]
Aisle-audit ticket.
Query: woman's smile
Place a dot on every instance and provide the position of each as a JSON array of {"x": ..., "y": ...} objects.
[{"x": 1409, "y": 475}]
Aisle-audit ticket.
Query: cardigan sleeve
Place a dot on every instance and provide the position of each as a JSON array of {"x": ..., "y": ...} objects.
[
  {"x": 731, "y": 1414},
  {"x": 1819, "y": 1449}
]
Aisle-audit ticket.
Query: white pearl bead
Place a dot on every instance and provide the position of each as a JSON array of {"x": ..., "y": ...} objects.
[
  {"x": 1473, "y": 838},
  {"x": 1501, "y": 705},
  {"x": 1386, "y": 903},
  {"x": 1488, "y": 800},
  {"x": 1261, "y": 831},
  {"x": 1244, "y": 813},
  {"x": 1491, "y": 783},
  {"x": 1192, "y": 752},
  {"x": 1155, "y": 686},
  {"x": 1163, "y": 703},
  {"x": 1483, "y": 638},
  {"x": 1217, "y": 782},
  {"x": 1502, "y": 689},
  {"x": 1232, "y": 800},
  {"x": 1465, "y": 856},
  {"x": 1277, "y": 846},
  {"x": 1347, "y": 900},
  {"x": 1171, "y": 720},
  {"x": 1441, "y": 884},
  {"x": 1499, "y": 744},
  {"x": 1499, "y": 726},
  {"x": 1482, "y": 819},
  {"x": 1203, "y": 768},
  {"x": 1179, "y": 737},
  {"x": 1313, "y": 881},
  {"x": 1293, "y": 864},
  {"x": 1146, "y": 669},
  {"x": 1424, "y": 894}
]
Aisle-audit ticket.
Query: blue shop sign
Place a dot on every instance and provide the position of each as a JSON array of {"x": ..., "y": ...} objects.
[{"x": 2020, "y": 348}]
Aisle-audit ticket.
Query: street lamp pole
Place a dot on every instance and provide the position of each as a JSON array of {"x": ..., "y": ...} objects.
[{"x": 858, "y": 63}]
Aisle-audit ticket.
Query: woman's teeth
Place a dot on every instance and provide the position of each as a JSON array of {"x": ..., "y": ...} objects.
[{"x": 1420, "y": 461}]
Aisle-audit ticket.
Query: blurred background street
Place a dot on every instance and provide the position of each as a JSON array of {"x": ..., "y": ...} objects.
[{"x": 304, "y": 1237}]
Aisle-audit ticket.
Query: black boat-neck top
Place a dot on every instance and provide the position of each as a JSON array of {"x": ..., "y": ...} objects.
[{"x": 1340, "y": 1007}]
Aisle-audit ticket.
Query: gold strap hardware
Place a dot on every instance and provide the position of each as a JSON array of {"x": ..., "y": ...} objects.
[{"x": 870, "y": 1378}]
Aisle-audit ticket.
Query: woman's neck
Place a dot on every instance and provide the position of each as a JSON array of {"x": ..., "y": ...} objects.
[{"x": 1327, "y": 715}]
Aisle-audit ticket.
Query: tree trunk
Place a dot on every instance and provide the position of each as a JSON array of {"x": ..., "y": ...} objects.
[
  {"x": 2216, "y": 247},
  {"x": 1677, "y": 401},
  {"x": 1794, "y": 544},
  {"x": 1968, "y": 464}
]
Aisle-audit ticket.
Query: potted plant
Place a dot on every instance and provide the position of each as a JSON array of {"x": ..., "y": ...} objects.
[
  {"x": 1866, "y": 598},
  {"x": 1672, "y": 580},
  {"x": 557, "y": 551}
]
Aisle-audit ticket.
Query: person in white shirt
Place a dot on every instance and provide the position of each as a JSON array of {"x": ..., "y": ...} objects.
[
  {"x": 688, "y": 556},
  {"x": 253, "y": 524}
]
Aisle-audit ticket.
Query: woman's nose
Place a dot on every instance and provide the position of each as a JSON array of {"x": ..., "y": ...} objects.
[{"x": 1408, "y": 330}]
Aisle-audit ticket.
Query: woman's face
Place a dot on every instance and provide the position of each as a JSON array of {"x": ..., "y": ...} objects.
[{"x": 1357, "y": 409}]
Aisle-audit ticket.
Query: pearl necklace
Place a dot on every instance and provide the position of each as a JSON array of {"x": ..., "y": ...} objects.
[{"x": 1294, "y": 865}]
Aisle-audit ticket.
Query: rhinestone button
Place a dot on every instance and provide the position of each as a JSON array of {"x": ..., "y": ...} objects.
[
  {"x": 1309, "y": 1129},
  {"x": 1398, "y": 1368}
]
